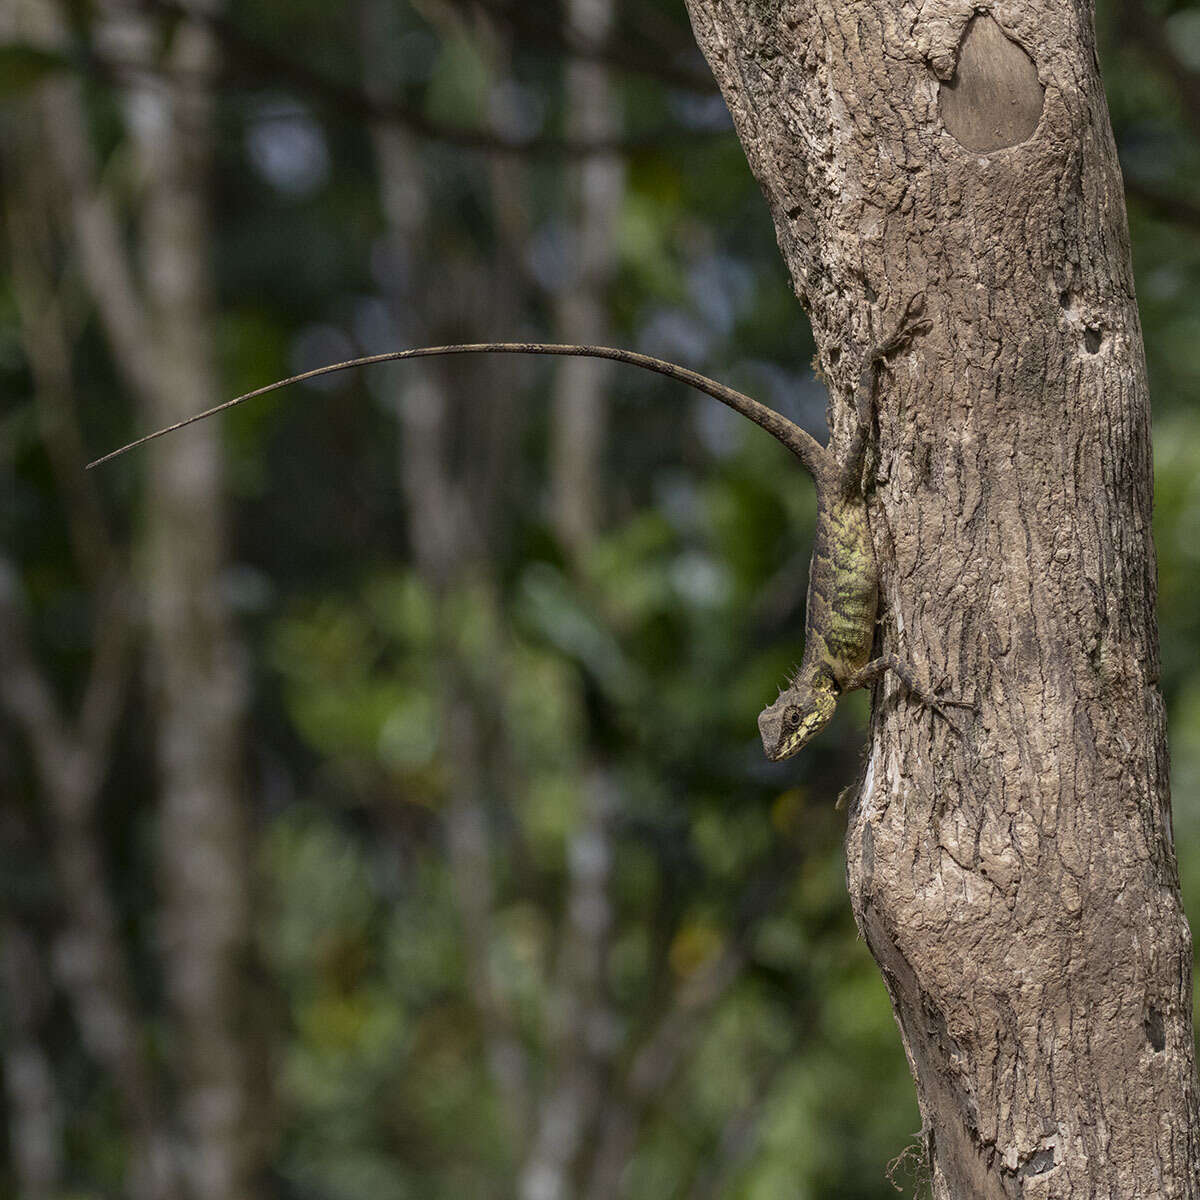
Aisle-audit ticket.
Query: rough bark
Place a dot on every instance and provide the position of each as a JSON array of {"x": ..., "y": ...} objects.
[{"x": 1017, "y": 884}]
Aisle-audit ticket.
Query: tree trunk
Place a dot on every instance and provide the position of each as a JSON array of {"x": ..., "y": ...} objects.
[
  {"x": 198, "y": 677},
  {"x": 70, "y": 745},
  {"x": 1015, "y": 881},
  {"x": 596, "y": 188},
  {"x": 30, "y": 1090},
  {"x": 453, "y": 504},
  {"x": 582, "y": 1037}
]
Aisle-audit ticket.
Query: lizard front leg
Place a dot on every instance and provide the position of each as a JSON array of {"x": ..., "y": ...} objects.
[{"x": 907, "y": 677}]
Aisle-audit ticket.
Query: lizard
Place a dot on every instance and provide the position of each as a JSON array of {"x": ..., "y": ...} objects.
[{"x": 843, "y": 582}]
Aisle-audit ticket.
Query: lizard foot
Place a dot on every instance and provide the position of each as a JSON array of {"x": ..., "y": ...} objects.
[
  {"x": 911, "y": 324},
  {"x": 929, "y": 699},
  {"x": 908, "y": 327}
]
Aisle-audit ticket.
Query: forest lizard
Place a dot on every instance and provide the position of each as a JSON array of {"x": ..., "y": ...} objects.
[{"x": 843, "y": 585}]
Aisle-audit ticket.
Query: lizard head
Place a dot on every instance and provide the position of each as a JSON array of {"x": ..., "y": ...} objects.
[{"x": 801, "y": 710}]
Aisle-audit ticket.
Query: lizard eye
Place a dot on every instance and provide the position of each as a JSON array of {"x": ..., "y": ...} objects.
[{"x": 791, "y": 718}]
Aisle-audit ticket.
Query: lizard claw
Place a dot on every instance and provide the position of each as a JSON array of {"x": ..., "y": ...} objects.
[
  {"x": 907, "y": 328},
  {"x": 940, "y": 703}
]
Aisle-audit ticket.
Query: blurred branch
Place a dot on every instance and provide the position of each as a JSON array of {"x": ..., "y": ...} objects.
[
  {"x": 1167, "y": 208},
  {"x": 656, "y": 1063},
  {"x": 469, "y": 853},
  {"x": 24, "y": 690},
  {"x": 198, "y": 677},
  {"x": 99, "y": 238},
  {"x": 98, "y": 235},
  {"x": 1148, "y": 31},
  {"x": 492, "y": 435},
  {"x": 719, "y": 1165},
  {"x": 31, "y": 1094},
  {"x": 70, "y": 761},
  {"x": 584, "y": 1031},
  {"x": 47, "y": 344},
  {"x": 539, "y": 25},
  {"x": 596, "y": 190},
  {"x": 583, "y": 1027},
  {"x": 70, "y": 765},
  {"x": 445, "y": 521},
  {"x": 659, "y": 1058},
  {"x": 264, "y": 65}
]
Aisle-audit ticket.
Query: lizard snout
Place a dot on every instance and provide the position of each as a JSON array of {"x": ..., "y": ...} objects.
[{"x": 770, "y": 727}]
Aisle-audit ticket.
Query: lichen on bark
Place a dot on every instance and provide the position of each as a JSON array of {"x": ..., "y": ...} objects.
[{"x": 1017, "y": 884}]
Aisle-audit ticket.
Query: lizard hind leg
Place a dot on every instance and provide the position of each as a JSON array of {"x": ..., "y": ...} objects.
[
  {"x": 911, "y": 323},
  {"x": 908, "y": 326}
]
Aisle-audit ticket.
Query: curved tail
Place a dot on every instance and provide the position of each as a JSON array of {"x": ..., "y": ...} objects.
[{"x": 806, "y": 448}]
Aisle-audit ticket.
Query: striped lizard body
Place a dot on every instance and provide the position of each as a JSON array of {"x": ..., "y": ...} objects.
[{"x": 843, "y": 584}]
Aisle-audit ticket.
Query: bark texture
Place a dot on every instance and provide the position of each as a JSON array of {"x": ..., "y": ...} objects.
[{"x": 1017, "y": 884}]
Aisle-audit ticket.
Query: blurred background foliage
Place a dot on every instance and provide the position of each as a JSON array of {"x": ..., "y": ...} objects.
[{"x": 499, "y": 897}]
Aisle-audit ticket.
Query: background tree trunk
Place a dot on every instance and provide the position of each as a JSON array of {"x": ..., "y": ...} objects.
[
  {"x": 72, "y": 742},
  {"x": 583, "y": 1030},
  {"x": 581, "y": 306},
  {"x": 1016, "y": 884},
  {"x": 197, "y": 670},
  {"x": 453, "y": 469}
]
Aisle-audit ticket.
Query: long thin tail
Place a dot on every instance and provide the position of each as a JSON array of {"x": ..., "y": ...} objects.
[{"x": 810, "y": 452}]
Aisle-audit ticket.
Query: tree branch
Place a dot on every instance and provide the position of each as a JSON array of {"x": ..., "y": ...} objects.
[
  {"x": 31, "y": 1092},
  {"x": 654, "y": 62},
  {"x": 197, "y": 675},
  {"x": 24, "y": 690},
  {"x": 98, "y": 236},
  {"x": 261, "y": 63},
  {"x": 47, "y": 345},
  {"x": 88, "y": 953},
  {"x": 443, "y": 529},
  {"x": 1026, "y": 960},
  {"x": 718, "y": 1166},
  {"x": 657, "y": 1060}
]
